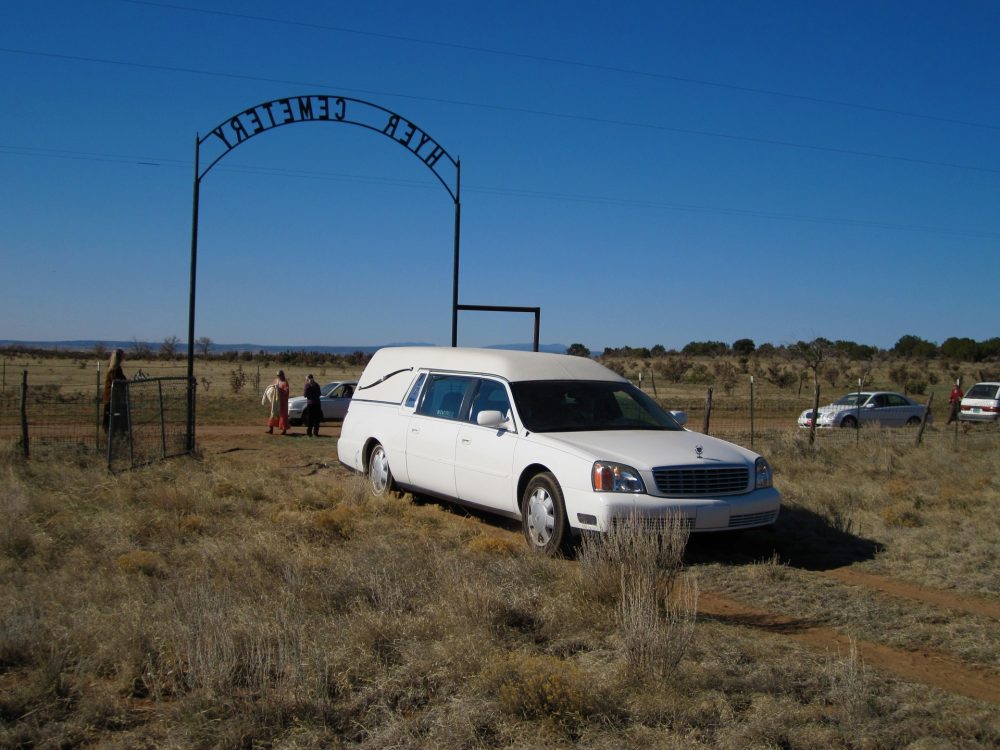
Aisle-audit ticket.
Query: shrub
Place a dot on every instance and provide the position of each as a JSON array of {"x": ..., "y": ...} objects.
[
  {"x": 237, "y": 379},
  {"x": 640, "y": 568},
  {"x": 493, "y": 545},
  {"x": 143, "y": 561},
  {"x": 339, "y": 521},
  {"x": 544, "y": 687}
]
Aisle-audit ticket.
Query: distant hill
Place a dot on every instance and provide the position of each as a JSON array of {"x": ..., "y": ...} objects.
[{"x": 88, "y": 345}]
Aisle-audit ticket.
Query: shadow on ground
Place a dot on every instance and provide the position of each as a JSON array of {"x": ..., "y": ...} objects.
[{"x": 800, "y": 538}]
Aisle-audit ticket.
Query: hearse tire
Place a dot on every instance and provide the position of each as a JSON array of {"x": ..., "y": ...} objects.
[{"x": 543, "y": 516}]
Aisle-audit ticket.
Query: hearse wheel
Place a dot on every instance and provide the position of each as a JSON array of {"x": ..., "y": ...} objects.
[
  {"x": 543, "y": 515},
  {"x": 379, "y": 473}
]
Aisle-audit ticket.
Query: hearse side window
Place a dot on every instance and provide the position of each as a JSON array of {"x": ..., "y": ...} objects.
[
  {"x": 444, "y": 395},
  {"x": 411, "y": 397}
]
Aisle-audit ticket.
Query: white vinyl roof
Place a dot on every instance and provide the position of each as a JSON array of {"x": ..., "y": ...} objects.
[{"x": 395, "y": 367}]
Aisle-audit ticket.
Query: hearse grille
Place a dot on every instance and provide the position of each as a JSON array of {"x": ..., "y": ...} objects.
[
  {"x": 752, "y": 519},
  {"x": 701, "y": 481}
]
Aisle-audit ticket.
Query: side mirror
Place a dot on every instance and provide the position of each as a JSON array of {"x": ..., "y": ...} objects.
[
  {"x": 870, "y": 406},
  {"x": 491, "y": 418},
  {"x": 680, "y": 416}
]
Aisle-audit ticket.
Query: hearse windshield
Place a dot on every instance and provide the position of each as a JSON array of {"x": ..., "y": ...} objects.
[{"x": 587, "y": 405}]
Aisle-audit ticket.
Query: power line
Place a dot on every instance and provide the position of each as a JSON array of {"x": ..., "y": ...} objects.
[
  {"x": 572, "y": 63},
  {"x": 520, "y": 110},
  {"x": 503, "y": 192}
]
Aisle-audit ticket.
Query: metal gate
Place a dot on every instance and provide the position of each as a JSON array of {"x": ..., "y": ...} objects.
[{"x": 147, "y": 421}]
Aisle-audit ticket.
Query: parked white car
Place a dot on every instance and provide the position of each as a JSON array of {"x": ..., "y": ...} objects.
[
  {"x": 981, "y": 403},
  {"x": 334, "y": 398},
  {"x": 869, "y": 407},
  {"x": 559, "y": 442}
]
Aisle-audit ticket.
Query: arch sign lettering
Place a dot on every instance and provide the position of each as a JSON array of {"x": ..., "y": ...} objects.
[
  {"x": 261, "y": 118},
  {"x": 277, "y": 113}
]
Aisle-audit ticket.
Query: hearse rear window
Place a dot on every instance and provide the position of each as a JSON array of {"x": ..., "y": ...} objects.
[{"x": 411, "y": 397}]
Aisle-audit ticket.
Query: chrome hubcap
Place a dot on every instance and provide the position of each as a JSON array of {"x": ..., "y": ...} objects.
[
  {"x": 378, "y": 471},
  {"x": 541, "y": 517}
]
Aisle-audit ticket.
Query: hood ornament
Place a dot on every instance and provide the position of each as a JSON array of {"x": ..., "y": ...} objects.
[{"x": 698, "y": 450}]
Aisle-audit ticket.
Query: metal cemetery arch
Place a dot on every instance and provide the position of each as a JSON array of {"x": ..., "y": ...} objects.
[{"x": 261, "y": 118}]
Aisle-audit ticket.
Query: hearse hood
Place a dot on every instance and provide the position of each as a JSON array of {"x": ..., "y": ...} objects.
[{"x": 646, "y": 449}]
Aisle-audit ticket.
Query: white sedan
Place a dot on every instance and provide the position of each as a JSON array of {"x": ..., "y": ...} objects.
[
  {"x": 868, "y": 407},
  {"x": 334, "y": 398}
]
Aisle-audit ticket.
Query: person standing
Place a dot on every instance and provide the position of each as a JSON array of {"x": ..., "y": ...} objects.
[
  {"x": 115, "y": 372},
  {"x": 314, "y": 409},
  {"x": 955, "y": 399},
  {"x": 279, "y": 405}
]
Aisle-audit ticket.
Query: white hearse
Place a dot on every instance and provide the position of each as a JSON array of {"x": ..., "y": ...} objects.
[{"x": 560, "y": 442}]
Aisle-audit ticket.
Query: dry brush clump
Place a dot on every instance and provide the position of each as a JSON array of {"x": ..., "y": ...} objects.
[{"x": 639, "y": 569}]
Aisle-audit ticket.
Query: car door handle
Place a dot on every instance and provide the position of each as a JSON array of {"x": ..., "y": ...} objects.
[
  {"x": 466, "y": 441},
  {"x": 415, "y": 430}
]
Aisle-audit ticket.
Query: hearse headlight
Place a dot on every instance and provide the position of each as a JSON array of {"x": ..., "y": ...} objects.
[
  {"x": 612, "y": 477},
  {"x": 765, "y": 477}
]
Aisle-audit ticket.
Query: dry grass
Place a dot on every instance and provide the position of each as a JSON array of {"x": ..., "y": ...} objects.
[{"x": 240, "y": 600}]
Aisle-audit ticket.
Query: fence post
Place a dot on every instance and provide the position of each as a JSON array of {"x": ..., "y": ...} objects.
[
  {"x": 163, "y": 424},
  {"x": 652, "y": 379},
  {"x": 923, "y": 422},
  {"x": 98, "y": 410},
  {"x": 24, "y": 414},
  {"x": 708, "y": 410},
  {"x": 751, "y": 411},
  {"x": 857, "y": 416}
]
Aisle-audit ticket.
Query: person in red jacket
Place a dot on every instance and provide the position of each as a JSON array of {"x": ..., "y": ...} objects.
[
  {"x": 279, "y": 407},
  {"x": 955, "y": 399}
]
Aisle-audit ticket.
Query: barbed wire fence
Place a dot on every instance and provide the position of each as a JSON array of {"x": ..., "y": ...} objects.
[
  {"x": 59, "y": 407},
  {"x": 747, "y": 420},
  {"x": 45, "y": 404}
]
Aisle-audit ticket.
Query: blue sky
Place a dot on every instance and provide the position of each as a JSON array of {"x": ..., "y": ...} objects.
[{"x": 645, "y": 172}]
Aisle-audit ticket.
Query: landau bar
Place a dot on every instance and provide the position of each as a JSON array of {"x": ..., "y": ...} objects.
[{"x": 279, "y": 112}]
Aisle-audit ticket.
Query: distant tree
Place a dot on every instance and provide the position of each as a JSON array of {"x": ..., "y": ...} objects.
[
  {"x": 914, "y": 346},
  {"x": 578, "y": 350},
  {"x": 140, "y": 349},
  {"x": 672, "y": 368},
  {"x": 204, "y": 345},
  {"x": 101, "y": 350},
  {"x": 168, "y": 349},
  {"x": 960, "y": 349},
  {"x": 813, "y": 354},
  {"x": 766, "y": 350},
  {"x": 705, "y": 348},
  {"x": 854, "y": 351},
  {"x": 658, "y": 350},
  {"x": 744, "y": 347},
  {"x": 989, "y": 349}
]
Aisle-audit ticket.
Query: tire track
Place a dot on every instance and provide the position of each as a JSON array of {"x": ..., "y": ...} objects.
[
  {"x": 971, "y": 604},
  {"x": 938, "y": 670}
]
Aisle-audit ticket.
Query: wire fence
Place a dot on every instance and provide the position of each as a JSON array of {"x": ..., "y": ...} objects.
[
  {"x": 61, "y": 406},
  {"x": 747, "y": 421},
  {"x": 148, "y": 416}
]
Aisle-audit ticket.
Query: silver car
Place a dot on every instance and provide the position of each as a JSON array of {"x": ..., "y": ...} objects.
[
  {"x": 334, "y": 398},
  {"x": 868, "y": 407}
]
